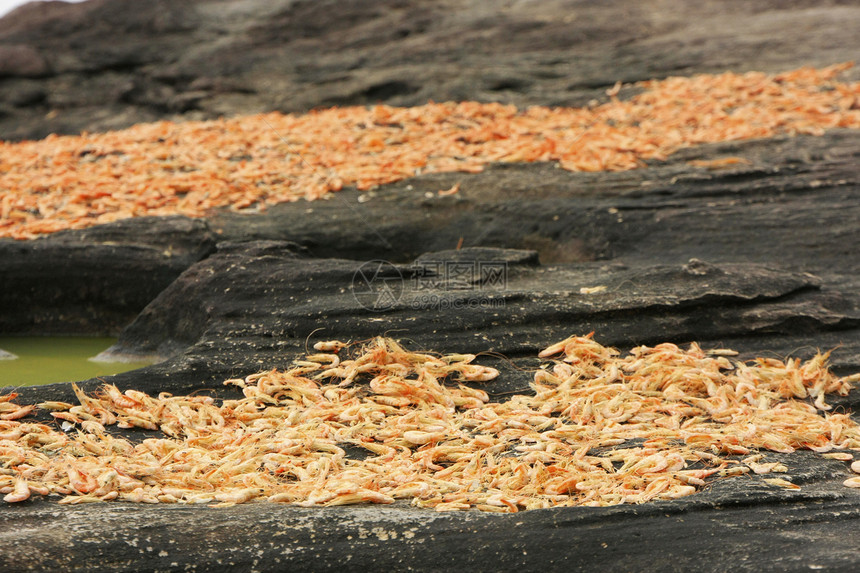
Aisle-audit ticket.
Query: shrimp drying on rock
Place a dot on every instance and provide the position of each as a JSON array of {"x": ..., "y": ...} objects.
[
  {"x": 50, "y": 185},
  {"x": 433, "y": 437}
]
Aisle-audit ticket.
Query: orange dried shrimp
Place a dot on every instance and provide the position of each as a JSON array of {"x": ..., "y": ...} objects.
[
  {"x": 190, "y": 168},
  {"x": 597, "y": 429}
]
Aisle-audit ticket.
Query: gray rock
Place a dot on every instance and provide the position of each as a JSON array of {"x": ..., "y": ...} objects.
[
  {"x": 96, "y": 280},
  {"x": 26, "y": 95},
  {"x": 118, "y": 62},
  {"x": 21, "y": 60},
  {"x": 740, "y": 524}
]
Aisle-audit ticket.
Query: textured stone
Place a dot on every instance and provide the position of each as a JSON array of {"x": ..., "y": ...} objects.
[
  {"x": 96, "y": 280},
  {"x": 119, "y": 62},
  {"x": 20, "y": 60}
]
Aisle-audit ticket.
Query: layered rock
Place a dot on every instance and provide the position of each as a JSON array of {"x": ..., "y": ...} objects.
[{"x": 106, "y": 64}]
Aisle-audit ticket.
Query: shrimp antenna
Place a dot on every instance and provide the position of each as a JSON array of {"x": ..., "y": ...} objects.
[
  {"x": 314, "y": 331},
  {"x": 386, "y": 334},
  {"x": 503, "y": 358}
]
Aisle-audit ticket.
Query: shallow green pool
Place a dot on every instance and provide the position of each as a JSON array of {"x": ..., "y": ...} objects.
[{"x": 48, "y": 360}]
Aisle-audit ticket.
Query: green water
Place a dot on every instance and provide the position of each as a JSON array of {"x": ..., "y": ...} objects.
[{"x": 49, "y": 360}]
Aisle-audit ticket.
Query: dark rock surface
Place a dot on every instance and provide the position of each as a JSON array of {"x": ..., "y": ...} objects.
[
  {"x": 96, "y": 280},
  {"x": 105, "y": 64},
  {"x": 761, "y": 257},
  {"x": 726, "y": 528}
]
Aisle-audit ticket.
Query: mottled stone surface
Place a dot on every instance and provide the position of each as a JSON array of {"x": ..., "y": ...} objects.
[
  {"x": 96, "y": 280},
  {"x": 738, "y": 525},
  {"x": 112, "y": 63}
]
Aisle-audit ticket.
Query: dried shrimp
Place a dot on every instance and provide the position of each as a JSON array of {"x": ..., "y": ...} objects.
[
  {"x": 375, "y": 423},
  {"x": 190, "y": 168}
]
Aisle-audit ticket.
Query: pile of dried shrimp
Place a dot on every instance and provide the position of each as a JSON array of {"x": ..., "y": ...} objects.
[
  {"x": 597, "y": 429},
  {"x": 190, "y": 168}
]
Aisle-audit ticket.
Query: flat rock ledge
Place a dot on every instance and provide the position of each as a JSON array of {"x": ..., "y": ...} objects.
[{"x": 761, "y": 258}]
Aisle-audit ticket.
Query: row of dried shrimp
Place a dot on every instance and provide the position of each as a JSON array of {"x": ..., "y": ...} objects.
[
  {"x": 597, "y": 429},
  {"x": 190, "y": 168}
]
